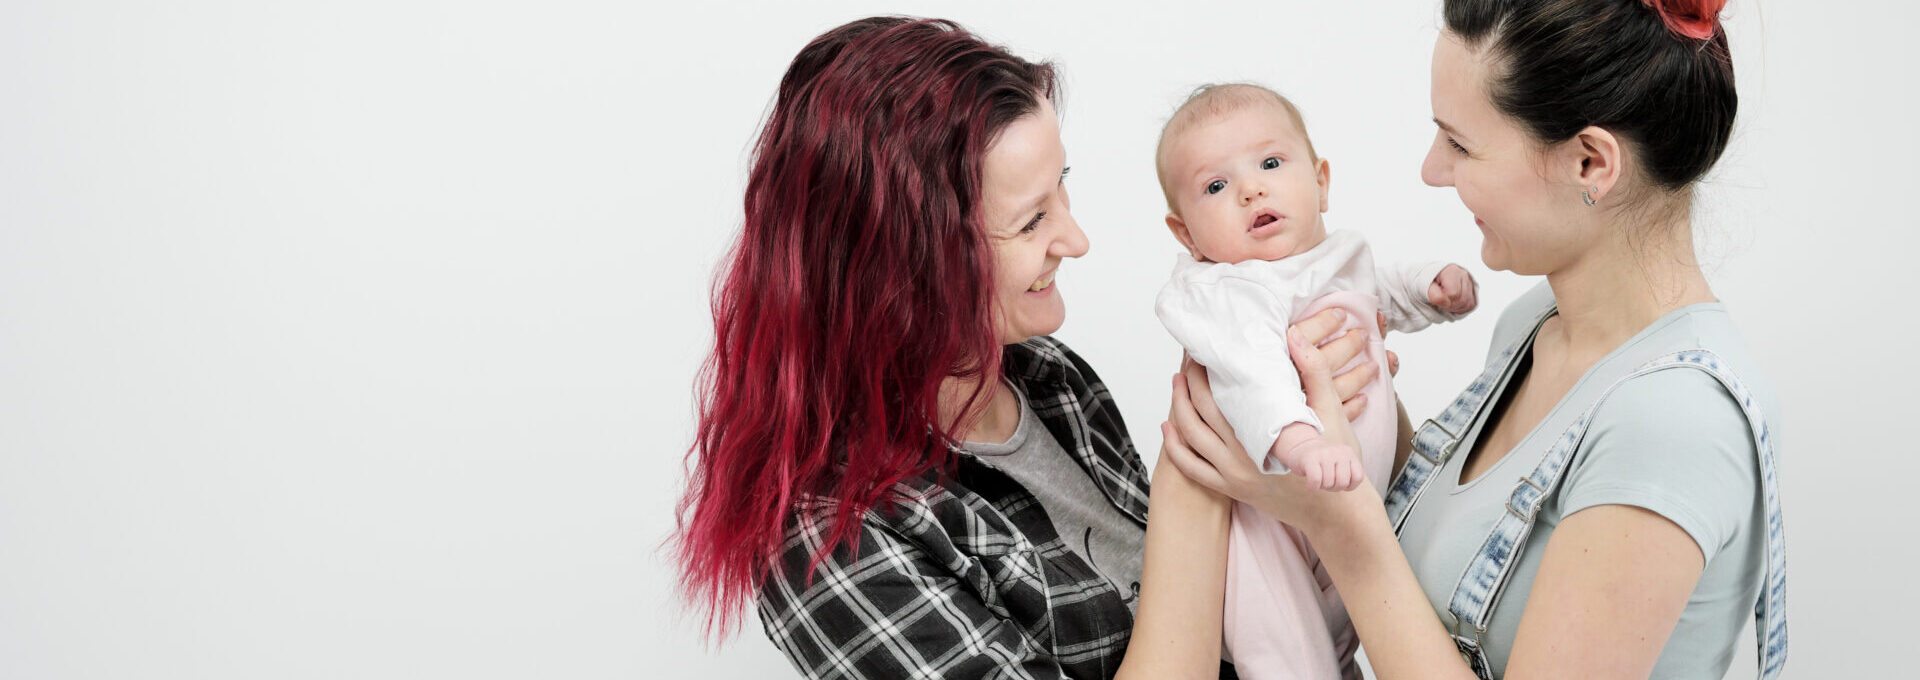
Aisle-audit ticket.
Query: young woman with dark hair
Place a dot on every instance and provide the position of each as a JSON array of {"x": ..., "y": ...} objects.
[
  {"x": 893, "y": 460},
  {"x": 1602, "y": 501}
]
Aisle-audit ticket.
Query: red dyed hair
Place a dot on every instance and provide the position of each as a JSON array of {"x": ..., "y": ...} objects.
[{"x": 862, "y": 279}]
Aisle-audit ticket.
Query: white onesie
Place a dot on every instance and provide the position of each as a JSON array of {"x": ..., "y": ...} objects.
[{"x": 1232, "y": 318}]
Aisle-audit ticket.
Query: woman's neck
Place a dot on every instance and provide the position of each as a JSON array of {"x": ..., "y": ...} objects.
[
  {"x": 994, "y": 418},
  {"x": 1622, "y": 287}
]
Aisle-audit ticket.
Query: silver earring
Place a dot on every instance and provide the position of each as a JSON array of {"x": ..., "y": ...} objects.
[{"x": 1585, "y": 195}]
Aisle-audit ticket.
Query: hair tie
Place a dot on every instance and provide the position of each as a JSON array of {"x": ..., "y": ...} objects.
[{"x": 1696, "y": 19}]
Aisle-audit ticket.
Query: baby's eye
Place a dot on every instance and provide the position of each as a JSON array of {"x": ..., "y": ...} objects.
[
  {"x": 1216, "y": 186},
  {"x": 1269, "y": 164}
]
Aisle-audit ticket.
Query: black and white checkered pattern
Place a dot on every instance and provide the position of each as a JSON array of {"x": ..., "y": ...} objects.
[{"x": 965, "y": 578}]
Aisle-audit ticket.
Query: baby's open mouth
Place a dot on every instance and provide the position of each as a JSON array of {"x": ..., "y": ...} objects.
[{"x": 1264, "y": 218}]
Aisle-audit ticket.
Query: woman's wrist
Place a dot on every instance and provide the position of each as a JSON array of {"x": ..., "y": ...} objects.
[
  {"x": 1356, "y": 545},
  {"x": 1338, "y": 515},
  {"x": 1169, "y": 486}
]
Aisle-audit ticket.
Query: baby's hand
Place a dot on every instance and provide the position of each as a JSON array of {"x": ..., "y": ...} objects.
[
  {"x": 1453, "y": 290},
  {"x": 1330, "y": 466}
]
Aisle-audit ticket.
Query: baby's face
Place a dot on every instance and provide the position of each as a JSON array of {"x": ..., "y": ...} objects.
[{"x": 1244, "y": 187}]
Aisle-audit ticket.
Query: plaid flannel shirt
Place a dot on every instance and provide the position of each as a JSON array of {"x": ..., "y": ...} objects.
[{"x": 967, "y": 578}]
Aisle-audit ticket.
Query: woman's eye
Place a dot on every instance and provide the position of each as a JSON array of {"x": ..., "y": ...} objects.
[
  {"x": 1216, "y": 186},
  {"x": 1033, "y": 224},
  {"x": 1456, "y": 145},
  {"x": 1269, "y": 164}
]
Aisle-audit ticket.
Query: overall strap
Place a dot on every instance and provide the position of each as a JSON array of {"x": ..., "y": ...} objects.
[
  {"x": 1487, "y": 573},
  {"x": 1436, "y": 439}
]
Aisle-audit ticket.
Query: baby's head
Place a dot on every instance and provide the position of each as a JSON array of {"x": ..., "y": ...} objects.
[{"x": 1241, "y": 178}]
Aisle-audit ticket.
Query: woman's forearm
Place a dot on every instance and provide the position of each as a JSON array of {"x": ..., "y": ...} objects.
[
  {"x": 1396, "y": 623},
  {"x": 1176, "y": 633}
]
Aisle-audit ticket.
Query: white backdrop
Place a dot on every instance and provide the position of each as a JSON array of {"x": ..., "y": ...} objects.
[{"x": 356, "y": 339}]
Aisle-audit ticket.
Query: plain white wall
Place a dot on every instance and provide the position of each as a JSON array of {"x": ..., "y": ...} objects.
[{"x": 356, "y": 339}]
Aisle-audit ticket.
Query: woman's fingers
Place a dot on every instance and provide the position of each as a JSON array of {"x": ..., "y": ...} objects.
[
  {"x": 1349, "y": 384},
  {"x": 1173, "y": 405},
  {"x": 1343, "y": 349},
  {"x": 1393, "y": 360},
  {"x": 1216, "y": 445},
  {"x": 1355, "y": 407},
  {"x": 1200, "y": 393},
  {"x": 1186, "y": 462},
  {"x": 1321, "y": 326},
  {"x": 1175, "y": 450},
  {"x": 1194, "y": 432},
  {"x": 1315, "y": 375}
]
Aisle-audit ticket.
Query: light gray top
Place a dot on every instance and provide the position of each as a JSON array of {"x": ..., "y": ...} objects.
[
  {"x": 1673, "y": 442},
  {"x": 1083, "y": 517}
]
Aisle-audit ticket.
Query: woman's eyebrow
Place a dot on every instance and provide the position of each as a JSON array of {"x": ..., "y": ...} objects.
[
  {"x": 1032, "y": 206},
  {"x": 1444, "y": 126}
]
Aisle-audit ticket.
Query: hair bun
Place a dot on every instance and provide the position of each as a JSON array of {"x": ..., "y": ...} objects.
[{"x": 1696, "y": 19}]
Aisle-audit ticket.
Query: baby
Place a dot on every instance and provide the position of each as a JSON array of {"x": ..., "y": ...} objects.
[{"x": 1245, "y": 192}]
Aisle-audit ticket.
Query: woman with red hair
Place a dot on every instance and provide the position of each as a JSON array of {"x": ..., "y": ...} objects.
[{"x": 893, "y": 460}]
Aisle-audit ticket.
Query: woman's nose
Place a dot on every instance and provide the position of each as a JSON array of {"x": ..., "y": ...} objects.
[
  {"x": 1434, "y": 169},
  {"x": 1072, "y": 243}
]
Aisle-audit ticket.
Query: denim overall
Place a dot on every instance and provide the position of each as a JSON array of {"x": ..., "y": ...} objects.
[{"x": 1486, "y": 574}]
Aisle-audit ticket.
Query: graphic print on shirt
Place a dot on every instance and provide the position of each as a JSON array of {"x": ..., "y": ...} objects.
[{"x": 1086, "y": 548}]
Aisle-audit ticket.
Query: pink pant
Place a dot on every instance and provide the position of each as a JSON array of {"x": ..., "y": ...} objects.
[{"x": 1283, "y": 617}]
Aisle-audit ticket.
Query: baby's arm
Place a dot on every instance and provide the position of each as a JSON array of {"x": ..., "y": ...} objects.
[
  {"x": 1416, "y": 295},
  {"x": 1236, "y": 328}
]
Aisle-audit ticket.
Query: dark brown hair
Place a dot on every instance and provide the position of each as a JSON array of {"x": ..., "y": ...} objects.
[{"x": 1641, "y": 69}]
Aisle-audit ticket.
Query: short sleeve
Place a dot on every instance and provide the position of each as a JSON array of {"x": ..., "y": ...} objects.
[{"x": 1676, "y": 443}]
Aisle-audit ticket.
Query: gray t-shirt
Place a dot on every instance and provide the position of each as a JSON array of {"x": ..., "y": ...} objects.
[
  {"x": 1673, "y": 442},
  {"x": 1083, "y": 517}
]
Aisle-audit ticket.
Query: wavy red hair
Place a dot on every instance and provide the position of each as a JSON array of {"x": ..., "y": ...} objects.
[{"x": 861, "y": 280}]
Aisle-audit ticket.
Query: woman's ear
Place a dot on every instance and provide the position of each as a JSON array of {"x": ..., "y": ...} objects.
[
  {"x": 1595, "y": 158},
  {"x": 1185, "y": 236}
]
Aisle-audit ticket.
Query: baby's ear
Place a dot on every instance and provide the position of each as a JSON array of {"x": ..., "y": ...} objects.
[
  {"x": 1323, "y": 176},
  {"x": 1180, "y": 231}
]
